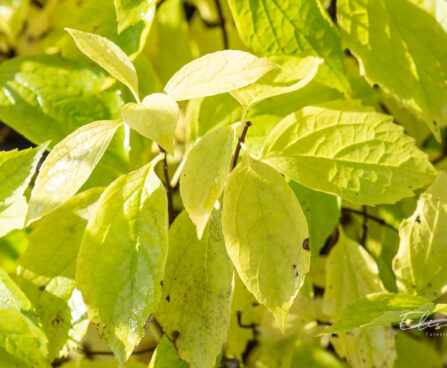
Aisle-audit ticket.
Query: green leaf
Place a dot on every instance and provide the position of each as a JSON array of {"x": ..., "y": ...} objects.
[
  {"x": 264, "y": 230},
  {"x": 109, "y": 56},
  {"x": 382, "y": 309},
  {"x": 415, "y": 353},
  {"x": 215, "y": 73},
  {"x": 204, "y": 114},
  {"x": 205, "y": 174},
  {"x": 47, "y": 98},
  {"x": 47, "y": 272},
  {"x": 22, "y": 342},
  {"x": 170, "y": 28},
  {"x": 14, "y": 216},
  {"x": 397, "y": 44},
  {"x": 97, "y": 17},
  {"x": 284, "y": 27},
  {"x": 16, "y": 170},
  {"x": 68, "y": 166},
  {"x": 130, "y": 12},
  {"x": 322, "y": 213},
  {"x": 348, "y": 150},
  {"x": 155, "y": 118},
  {"x": 165, "y": 356},
  {"x": 126, "y": 237},
  {"x": 12, "y": 16},
  {"x": 351, "y": 273},
  {"x": 294, "y": 73},
  {"x": 420, "y": 264},
  {"x": 196, "y": 300},
  {"x": 12, "y": 246}
]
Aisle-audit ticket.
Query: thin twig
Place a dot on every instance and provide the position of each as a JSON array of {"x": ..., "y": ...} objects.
[
  {"x": 222, "y": 24},
  {"x": 239, "y": 142},
  {"x": 371, "y": 217},
  {"x": 364, "y": 227},
  {"x": 167, "y": 185},
  {"x": 251, "y": 326}
]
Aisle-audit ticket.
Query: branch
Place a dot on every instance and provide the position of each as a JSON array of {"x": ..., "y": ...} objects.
[
  {"x": 222, "y": 24},
  {"x": 167, "y": 186},
  {"x": 371, "y": 217},
  {"x": 364, "y": 227},
  {"x": 251, "y": 326},
  {"x": 239, "y": 142}
]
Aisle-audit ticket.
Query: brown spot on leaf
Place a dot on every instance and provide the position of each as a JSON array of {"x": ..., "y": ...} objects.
[{"x": 306, "y": 244}]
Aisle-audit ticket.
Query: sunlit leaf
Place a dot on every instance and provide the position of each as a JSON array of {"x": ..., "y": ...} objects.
[
  {"x": 397, "y": 44},
  {"x": 382, "y": 309},
  {"x": 121, "y": 259},
  {"x": 345, "y": 149},
  {"x": 264, "y": 230},
  {"x": 294, "y": 73},
  {"x": 69, "y": 165},
  {"x": 47, "y": 272},
  {"x": 215, "y": 73},
  {"x": 109, "y": 56},
  {"x": 205, "y": 174},
  {"x": 155, "y": 118},
  {"x": 22, "y": 342},
  {"x": 131, "y": 12},
  {"x": 16, "y": 170},
  {"x": 195, "y": 305},
  {"x": 420, "y": 264},
  {"x": 283, "y": 27}
]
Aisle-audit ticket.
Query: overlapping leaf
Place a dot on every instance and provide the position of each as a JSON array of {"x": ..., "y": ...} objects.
[
  {"x": 122, "y": 255},
  {"x": 420, "y": 264},
  {"x": 264, "y": 229},
  {"x": 196, "y": 300},
  {"x": 69, "y": 165},
  {"x": 397, "y": 44},
  {"x": 348, "y": 150},
  {"x": 205, "y": 174}
]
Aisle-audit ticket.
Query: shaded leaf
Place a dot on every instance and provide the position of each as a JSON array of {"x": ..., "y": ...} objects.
[{"x": 195, "y": 305}]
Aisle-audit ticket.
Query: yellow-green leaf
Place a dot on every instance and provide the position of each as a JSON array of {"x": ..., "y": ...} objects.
[
  {"x": 155, "y": 118},
  {"x": 264, "y": 230},
  {"x": 196, "y": 301},
  {"x": 108, "y": 55},
  {"x": 351, "y": 274},
  {"x": 165, "y": 356},
  {"x": 69, "y": 165},
  {"x": 22, "y": 342},
  {"x": 121, "y": 259},
  {"x": 293, "y": 74},
  {"x": 47, "y": 272},
  {"x": 131, "y": 12},
  {"x": 14, "y": 216},
  {"x": 345, "y": 149},
  {"x": 397, "y": 45},
  {"x": 205, "y": 174},
  {"x": 16, "y": 170},
  {"x": 420, "y": 265},
  {"x": 219, "y": 72}
]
